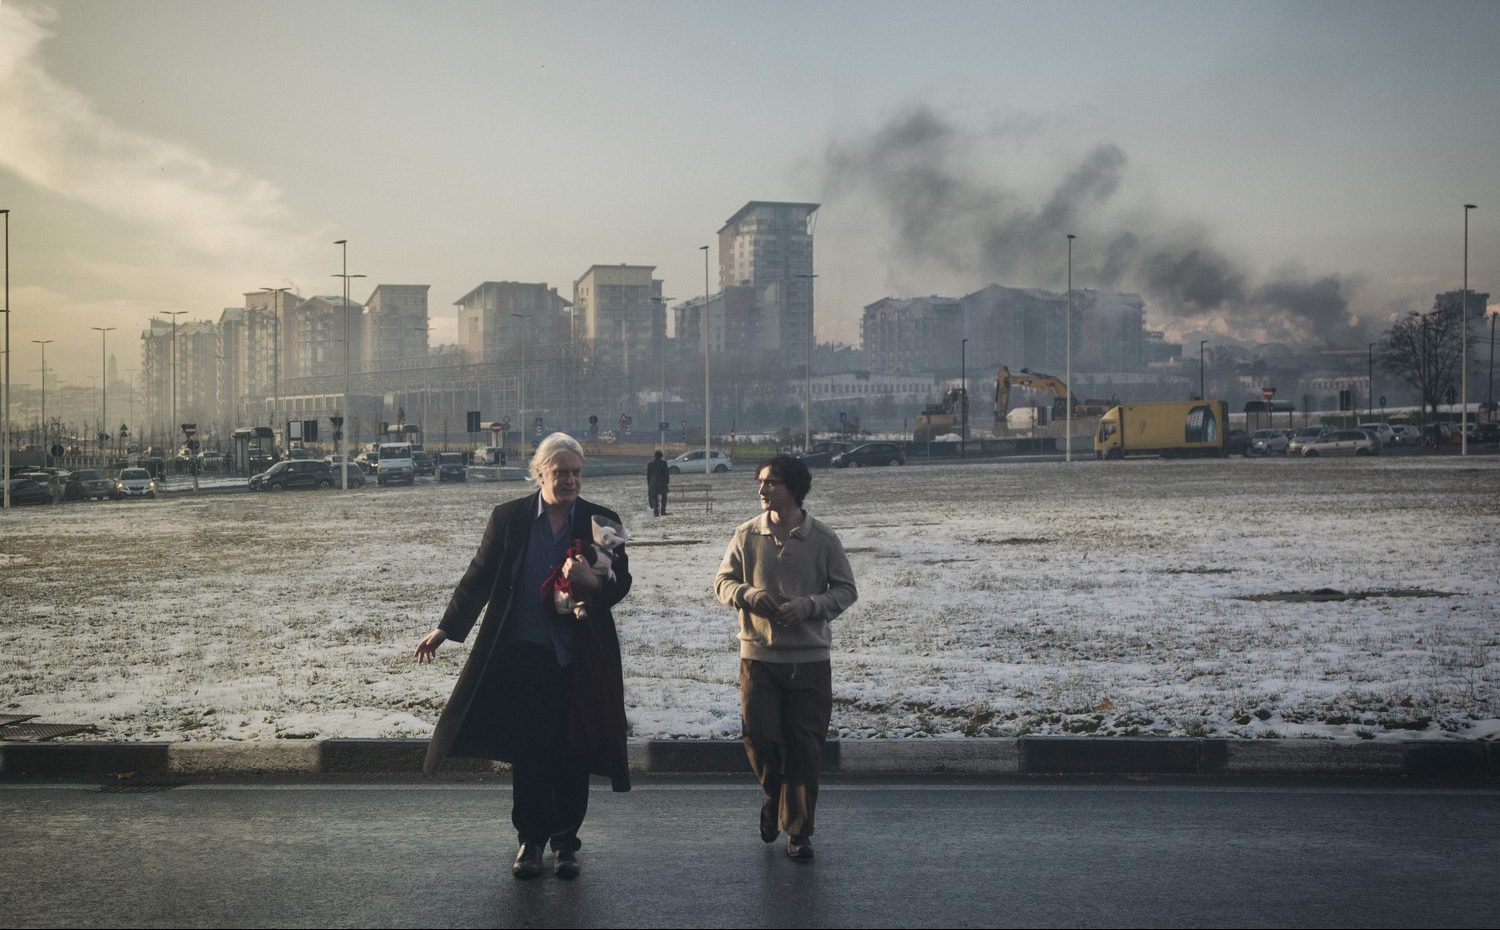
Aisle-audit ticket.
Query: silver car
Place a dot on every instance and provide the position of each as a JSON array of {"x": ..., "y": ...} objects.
[
  {"x": 692, "y": 462},
  {"x": 134, "y": 482},
  {"x": 1343, "y": 442},
  {"x": 1302, "y": 437},
  {"x": 1268, "y": 442}
]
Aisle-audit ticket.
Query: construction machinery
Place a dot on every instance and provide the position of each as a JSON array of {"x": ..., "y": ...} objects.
[
  {"x": 942, "y": 418},
  {"x": 1006, "y": 380}
]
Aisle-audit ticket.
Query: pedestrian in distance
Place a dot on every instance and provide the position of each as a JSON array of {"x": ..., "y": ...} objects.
[
  {"x": 657, "y": 479},
  {"x": 541, "y": 690},
  {"x": 787, "y": 575}
]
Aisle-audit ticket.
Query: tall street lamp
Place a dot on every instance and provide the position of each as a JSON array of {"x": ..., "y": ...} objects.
[
  {"x": 1068, "y": 387},
  {"x": 1370, "y": 376},
  {"x": 46, "y": 446},
  {"x": 1463, "y": 317},
  {"x": 807, "y": 384},
  {"x": 348, "y": 420},
  {"x": 661, "y": 399},
  {"x": 5, "y": 395},
  {"x": 103, "y": 380},
  {"x": 707, "y": 393}
]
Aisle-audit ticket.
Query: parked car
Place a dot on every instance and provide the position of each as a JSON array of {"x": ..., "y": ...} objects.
[
  {"x": 367, "y": 461},
  {"x": 1268, "y": 442},
  {"x": 356, "y": 475},
  {"x": 1343, "y": 442},
  {"x": 27, "y": 489},
  {"x": 1406, "y": 435},
  {"x": 692, "y": 462},
  {"x": 91, "y": 485},
  {"x": 451, "y": 467},
  {"x": 1302, "y": 437},
  {"x": 1237, "y": 442},
  {"x": 820, "y": 454},
  {"x": 134, "y": 482},
  {"x": 1382, "y": 431},
  {"x": 871, "y": 453},
  {"x": 1486, "y": 433},
  {"x": 424, "y": 463},
  {"x": 306, "y": 473},
  {"x": 211, "y": 462}
]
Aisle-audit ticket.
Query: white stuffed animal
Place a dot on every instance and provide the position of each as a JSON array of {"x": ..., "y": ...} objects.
[{"x": 609, "y": 536}]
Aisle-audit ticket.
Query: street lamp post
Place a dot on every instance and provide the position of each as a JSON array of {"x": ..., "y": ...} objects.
[
  {"x": 707, "y": 392},
  {"x": 5, "y": 395},
  {"x": 1068, "y": 398},
  {"x": 46, "y": 446},
  {"x": 1463, "y": 319},
  {"x": 1202, "y": 393},
  {"x": 807, "y": 384},
  {"x": 1370, "y": 381},
  {"x": 348, "y": 420},
  {"x": 103, "y": 383}
]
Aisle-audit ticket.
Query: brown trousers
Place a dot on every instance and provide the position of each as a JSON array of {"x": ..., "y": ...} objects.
[{"x": 784, "y": 712}]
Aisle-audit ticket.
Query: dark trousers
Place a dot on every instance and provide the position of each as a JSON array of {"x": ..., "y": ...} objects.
[
  {"x": 549, "y": 787},
  {"x": 784, "y": 712},
  {"x": 658, "y": 500}
]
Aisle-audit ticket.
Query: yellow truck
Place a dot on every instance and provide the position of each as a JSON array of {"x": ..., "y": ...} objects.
[{"x": 1177, "y": 429}]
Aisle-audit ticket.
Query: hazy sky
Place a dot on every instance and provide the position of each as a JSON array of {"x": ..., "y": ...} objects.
[{"x": 1288, "y": 171}]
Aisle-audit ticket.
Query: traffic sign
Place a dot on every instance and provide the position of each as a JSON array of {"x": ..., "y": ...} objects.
[
  {"x": 1268, "y": 392},
  {"x": 189, "y": 429},
  {"x": 496, "y": 428}
]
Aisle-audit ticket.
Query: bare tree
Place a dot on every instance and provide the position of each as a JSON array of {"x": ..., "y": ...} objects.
[{"x": 1425, "y": 350}]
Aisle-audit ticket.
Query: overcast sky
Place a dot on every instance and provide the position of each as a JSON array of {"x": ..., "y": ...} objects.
[{"x": 1291, "y": 172}]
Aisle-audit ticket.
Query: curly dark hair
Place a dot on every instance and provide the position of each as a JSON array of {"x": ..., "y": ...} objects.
[{"x": 790, "y": 471}]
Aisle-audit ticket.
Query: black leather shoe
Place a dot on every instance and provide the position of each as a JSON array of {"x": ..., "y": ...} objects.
[
  {"x": 768, "y": 831},
  {"x": 567, "y": 864},
  {"x": 799, "y": 848},
  {"x": 528, "y": 862}
]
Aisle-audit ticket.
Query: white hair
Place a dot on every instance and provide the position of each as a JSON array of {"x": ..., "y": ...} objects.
[{"x": 549, "y": 448}]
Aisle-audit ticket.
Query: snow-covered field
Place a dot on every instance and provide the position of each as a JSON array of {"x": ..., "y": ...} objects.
[{"x": 995, "y": 600}]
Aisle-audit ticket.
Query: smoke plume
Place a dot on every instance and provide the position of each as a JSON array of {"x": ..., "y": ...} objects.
[{"x": 949, "y": 210}]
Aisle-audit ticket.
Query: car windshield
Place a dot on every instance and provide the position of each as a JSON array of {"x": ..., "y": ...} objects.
[
  {"x": 452, "y": 458},
  {"x": 134, "y": 474}
]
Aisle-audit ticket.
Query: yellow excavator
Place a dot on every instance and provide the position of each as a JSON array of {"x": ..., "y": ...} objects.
[
  {"x": 1036, "y": 380},
  {"x": 942, "y": 418}
]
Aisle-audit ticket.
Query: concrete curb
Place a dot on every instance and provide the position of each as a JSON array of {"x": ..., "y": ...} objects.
[{"x": 1028, "y": 755}]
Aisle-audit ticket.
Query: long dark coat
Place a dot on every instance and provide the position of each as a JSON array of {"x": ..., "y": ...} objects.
[{"x": 596, "y": 712}]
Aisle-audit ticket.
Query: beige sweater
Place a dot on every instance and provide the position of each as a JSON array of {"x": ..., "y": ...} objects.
[{"x": 811, "y": 565}]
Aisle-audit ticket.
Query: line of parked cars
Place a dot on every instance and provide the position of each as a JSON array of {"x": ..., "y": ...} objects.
[
  {"x": 46, "y": 485},
  {"x": 1365, "y": 439}
]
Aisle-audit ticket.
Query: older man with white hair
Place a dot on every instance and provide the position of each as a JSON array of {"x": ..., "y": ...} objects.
[{"x": 541, "y": 689}]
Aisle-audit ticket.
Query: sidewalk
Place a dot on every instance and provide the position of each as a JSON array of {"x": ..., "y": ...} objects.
[{"x": 993, "y": 758}]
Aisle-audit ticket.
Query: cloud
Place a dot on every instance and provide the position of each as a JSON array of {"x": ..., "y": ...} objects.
[{"x": 57, "y": 141}]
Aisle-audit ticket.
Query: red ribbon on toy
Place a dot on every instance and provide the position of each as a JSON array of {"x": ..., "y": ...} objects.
[{"x": 555, "y": 580}]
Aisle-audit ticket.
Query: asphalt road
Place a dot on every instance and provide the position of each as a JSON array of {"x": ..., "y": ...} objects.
[{"x": 320, "y": 853}]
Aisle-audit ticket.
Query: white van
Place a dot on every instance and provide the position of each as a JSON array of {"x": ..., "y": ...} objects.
[{"x": 395, "y": 464}]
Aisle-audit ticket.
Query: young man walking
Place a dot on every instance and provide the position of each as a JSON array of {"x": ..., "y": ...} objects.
[{"x": 788, "y": 576}]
